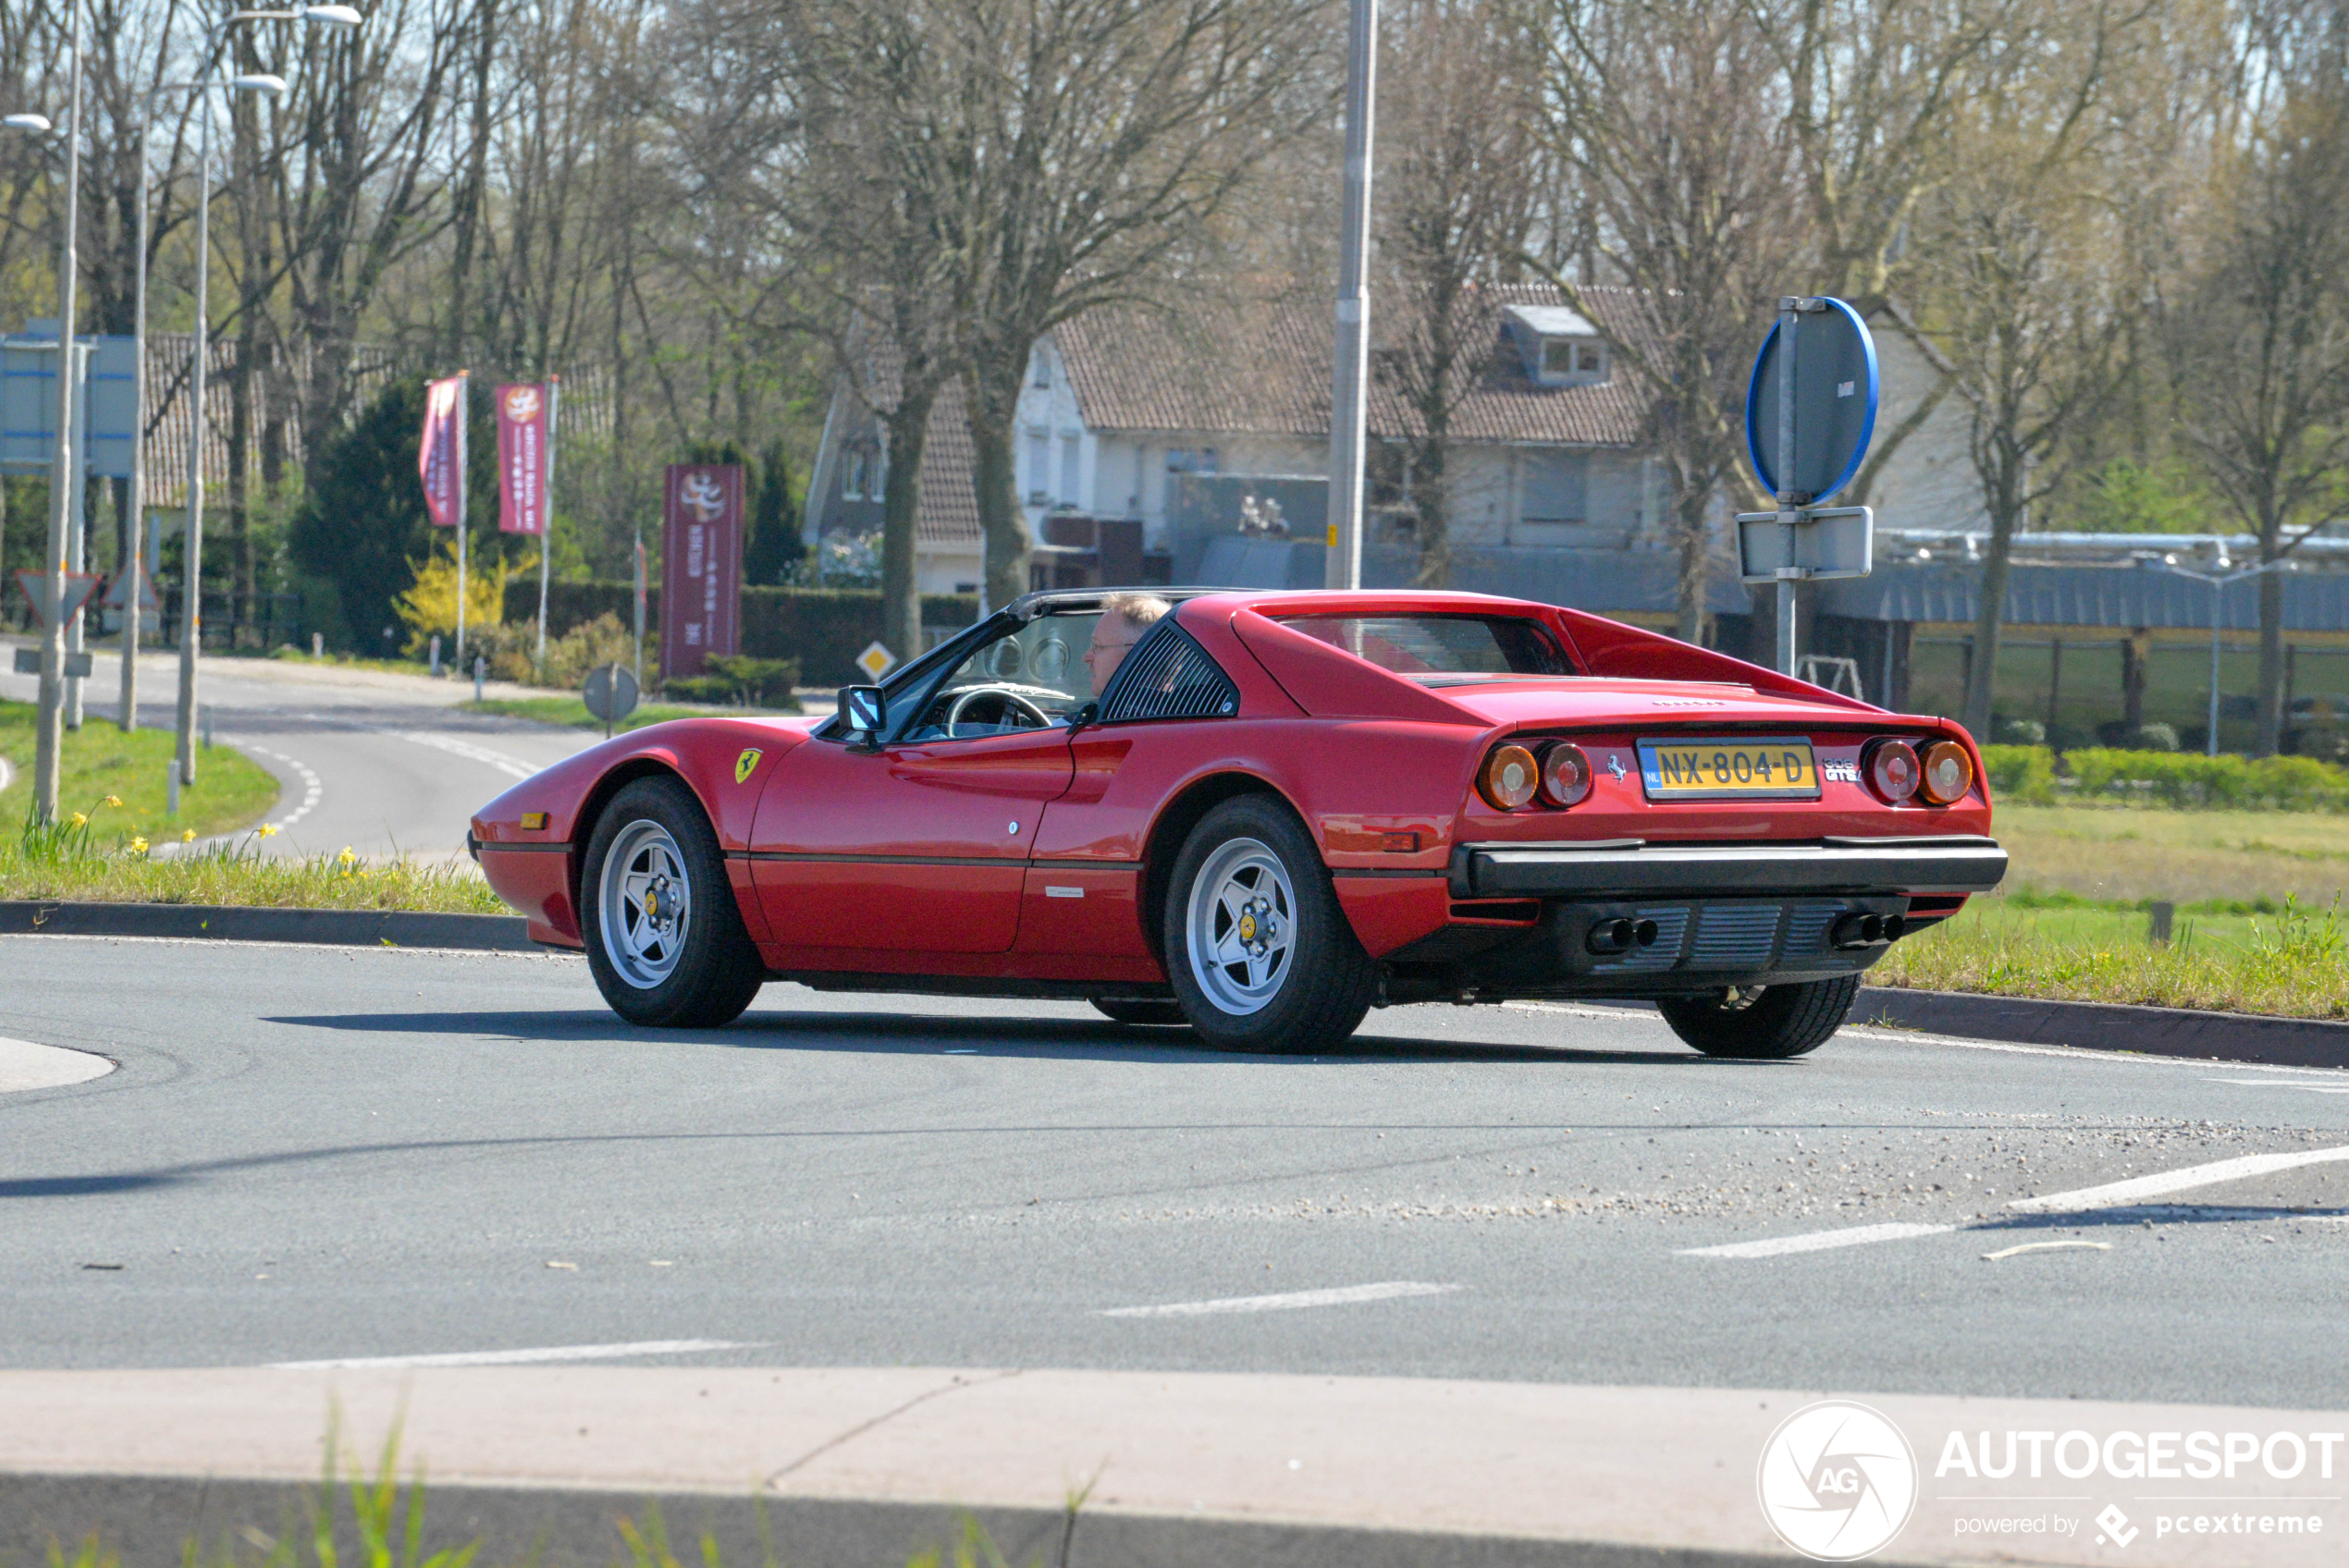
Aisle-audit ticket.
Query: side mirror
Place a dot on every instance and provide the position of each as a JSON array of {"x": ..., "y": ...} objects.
[{"x": 864, "y": 712}]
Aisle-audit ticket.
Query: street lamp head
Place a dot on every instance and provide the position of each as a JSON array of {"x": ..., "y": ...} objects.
[
  {"x": 37, "y": 124},
  {"x": 259, "y": 81},
  {"x": 344, "y": 17}
]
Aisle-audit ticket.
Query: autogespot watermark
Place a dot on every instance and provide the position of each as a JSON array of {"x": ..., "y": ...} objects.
[{"x": 1838, "y": 1481}]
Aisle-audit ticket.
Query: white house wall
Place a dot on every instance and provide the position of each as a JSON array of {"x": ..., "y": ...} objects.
[{"x": 1929, "y": 481}]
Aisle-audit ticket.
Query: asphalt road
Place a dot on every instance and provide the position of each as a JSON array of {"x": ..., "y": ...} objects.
[
  {"x": 318, "y": 1154},
  {"x": 378, "y": 762}
]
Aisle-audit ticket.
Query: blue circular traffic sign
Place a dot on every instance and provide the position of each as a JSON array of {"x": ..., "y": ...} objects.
[{"x": 1835, "y": 390}]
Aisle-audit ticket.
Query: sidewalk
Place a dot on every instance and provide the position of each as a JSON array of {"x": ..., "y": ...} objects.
[{"x": 1242, "y": 1468}]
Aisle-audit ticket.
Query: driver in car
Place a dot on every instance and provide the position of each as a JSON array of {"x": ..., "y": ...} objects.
[{"x": 1125, "y": 617}]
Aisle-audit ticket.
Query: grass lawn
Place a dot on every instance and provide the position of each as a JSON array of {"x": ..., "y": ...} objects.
[
  {"x": 572, "y": 711},
  {"x": 2069, "y": 921},
  {"x": 224, "y": 876},
  {"x": 99, "y": 759}
]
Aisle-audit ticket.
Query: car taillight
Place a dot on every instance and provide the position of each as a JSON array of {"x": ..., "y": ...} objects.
[
  {"x": 1566, "y": 775},
  {"x": 1892, "y": 770},
  {"x": 1945, "y": 774},
  {"x": 1509, "y": 776}
]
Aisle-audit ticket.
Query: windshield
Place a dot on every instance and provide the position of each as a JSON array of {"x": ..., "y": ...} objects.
[
  {"x": 1034, "y": 675},
  {"x": 1442, "y": 645}
]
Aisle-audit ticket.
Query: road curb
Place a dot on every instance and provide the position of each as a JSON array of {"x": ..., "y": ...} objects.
[
  {"x": 2110, "y": 1026},
  {"x": 223, "y": 923},
  {"x": 148, "y": 1518}
]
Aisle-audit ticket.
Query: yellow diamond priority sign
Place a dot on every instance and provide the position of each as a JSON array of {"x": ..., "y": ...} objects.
[{"x": 876, "y": 661}]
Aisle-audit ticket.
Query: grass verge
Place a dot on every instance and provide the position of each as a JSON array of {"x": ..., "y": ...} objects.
[
  {"x": 571, "y": 712},
  {"x": 99, "y": 759},
  {"x": 64, "y": 864},
  {"x": 2291, "y": 963}
]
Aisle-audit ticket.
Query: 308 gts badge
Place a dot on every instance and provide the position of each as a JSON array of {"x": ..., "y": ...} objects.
[{"x": 746, "y": 763}]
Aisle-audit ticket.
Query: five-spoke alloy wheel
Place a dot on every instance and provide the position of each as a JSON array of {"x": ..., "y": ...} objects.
[
  {"x": 1260, "y": 954},
  {"x": 664, "y": 938}
]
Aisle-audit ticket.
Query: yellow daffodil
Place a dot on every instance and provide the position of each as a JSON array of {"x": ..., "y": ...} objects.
[
  {"x": 79, "y": 820},
  {"x": 347, "y": 858},
  {"x": 111, "y": 801},
  {"x": 188, "y": 836},
  {"x": 138, "y": 846},
  {"x": 268, "y": 830}
]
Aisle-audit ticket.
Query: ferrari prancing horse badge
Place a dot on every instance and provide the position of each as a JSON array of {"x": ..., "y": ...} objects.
[{"x": 745, "y": 763}]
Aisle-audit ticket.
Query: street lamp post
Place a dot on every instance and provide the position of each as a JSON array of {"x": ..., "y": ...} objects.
[
  {"x": 192, "y": 610},
  {"x": 2218, "y": 582},
  {"x": 1344, "y": 566}
]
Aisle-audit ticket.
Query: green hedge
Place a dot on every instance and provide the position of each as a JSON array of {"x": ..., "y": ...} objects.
[
  {"x": 2184, "y": 780},
  {"x": 2021, "y": 772},
  {"x": 822, "y": 629}
]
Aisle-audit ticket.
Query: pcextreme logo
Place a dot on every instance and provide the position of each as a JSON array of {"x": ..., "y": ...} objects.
[
  {"x": 1837, "y": 1481},
  {"x": 746, "y": 763}
]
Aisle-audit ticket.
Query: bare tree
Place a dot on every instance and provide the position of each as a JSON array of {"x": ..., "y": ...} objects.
[
  {"x": 2031, "y": 278},
  {"x": 1458, "y": 103},
  {"x": 2261, "y": 339},
  {"x": 1094, "y": 145},
  {"x": 1671, "y": 113}
]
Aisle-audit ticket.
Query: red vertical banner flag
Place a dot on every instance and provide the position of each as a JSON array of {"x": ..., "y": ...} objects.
[
  {"x": 701, "y": 566},
  {"x": 440, "y": 462},
  {"x": 522, "y": 460}
]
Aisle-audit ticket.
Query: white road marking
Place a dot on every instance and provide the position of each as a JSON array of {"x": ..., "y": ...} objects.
[
  {"x": 2282, "y": 1083},
  {"x": 522, "y": 1357},
  {"x": 512, "y": 766},
  {"x": 313, "y": 791},
  {"x": 2046, "y": 1246},
  {"x": 1345, "y": 1295},
  {"x": 1819, "y": 1241},
  {"x": 2119, "y": 1195},
  {"x": 24, "y": 1065}
]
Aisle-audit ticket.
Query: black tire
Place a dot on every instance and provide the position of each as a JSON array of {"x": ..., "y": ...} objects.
[
  {"x": 714, "y": 970},
  {"x": 1317, "y": 992},
  {"x": 1140, "y": 1009},
  {"x": 1783, "y": 1021}
]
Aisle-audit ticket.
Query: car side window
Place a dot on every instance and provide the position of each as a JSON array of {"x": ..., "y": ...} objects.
[
  {"x": 1168, "y": 675},
  {"x": 1031, "y": 677}
]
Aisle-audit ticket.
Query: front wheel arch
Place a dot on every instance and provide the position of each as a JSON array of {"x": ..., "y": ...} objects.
[{"x": 591, "y": 811}]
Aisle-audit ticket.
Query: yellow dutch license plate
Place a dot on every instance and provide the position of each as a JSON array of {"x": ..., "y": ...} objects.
[{"x": 1754, "y": 768}]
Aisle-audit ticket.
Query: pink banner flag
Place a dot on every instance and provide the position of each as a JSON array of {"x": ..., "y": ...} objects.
[
  {"x": 441, "y": 460},
  {"x": 522, "y": 460},
  {"x": 701, "y": 565}
]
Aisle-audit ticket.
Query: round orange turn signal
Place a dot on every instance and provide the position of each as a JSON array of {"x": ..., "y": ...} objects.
[
  {"x": 1509, "y": 776},
  {"x": 1948, "y": 773}
]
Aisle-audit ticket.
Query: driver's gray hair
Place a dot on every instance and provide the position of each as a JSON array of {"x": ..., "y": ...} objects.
[{"x": 1140, "y": 612}]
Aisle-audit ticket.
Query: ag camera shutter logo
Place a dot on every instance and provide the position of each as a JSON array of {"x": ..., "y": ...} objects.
[{"x": 1837, "y": 1481}]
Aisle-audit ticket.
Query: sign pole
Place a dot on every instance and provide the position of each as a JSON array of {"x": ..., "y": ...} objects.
[
  {"x": 1343, "y": 567},
  {"x": 464, "y": 402},
  {"x": 49, "y": 737},
  {"x": 1787, "y": 319},
  {"x": 77, "y": 537},
  {"x": 546, "y": 528}
]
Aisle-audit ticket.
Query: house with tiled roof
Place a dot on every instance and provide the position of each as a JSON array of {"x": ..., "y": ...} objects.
[{"x": 1143, "y": 443}]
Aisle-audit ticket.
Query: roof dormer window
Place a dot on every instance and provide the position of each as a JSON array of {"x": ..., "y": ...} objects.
[{"x": 1560, "y": 346}]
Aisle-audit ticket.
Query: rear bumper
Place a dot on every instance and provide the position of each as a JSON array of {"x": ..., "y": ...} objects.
[{"x": 1631, "y": 869}]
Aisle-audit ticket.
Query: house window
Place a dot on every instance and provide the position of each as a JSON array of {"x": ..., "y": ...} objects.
[
  {"x": 1564, "y": 357},
  {"x": 1556, "y": 486},
  {"x": 1190, "y": 460},
  {"x": 853, "y": 475},
  {"x": 1040, "y": 468},
  {"x": 1072, "y": 448},
  {"x": 1043, "y": 369}
]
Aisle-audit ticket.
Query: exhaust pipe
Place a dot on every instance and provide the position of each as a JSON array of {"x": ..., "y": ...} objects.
[
  {"x": 1867, "y": 931},
  {"x": 1620, "y": 936}
]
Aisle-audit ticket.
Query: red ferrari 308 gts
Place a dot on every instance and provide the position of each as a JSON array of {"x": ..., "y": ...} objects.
[{"x": 1261, "y": 814}]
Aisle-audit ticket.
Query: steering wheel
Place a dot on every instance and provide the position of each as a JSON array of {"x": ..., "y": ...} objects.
[{"x": 1010, "y": 699}]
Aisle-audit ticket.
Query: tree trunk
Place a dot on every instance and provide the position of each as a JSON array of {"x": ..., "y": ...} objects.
[
  {"x": 1982, "y": 680},
  {"x": 2271, "y": 697},
  {"x": 1695, "y": 540},
  {"x": 1428, "y": 501},
  {"x": 908, "y": 428},
  {"x": 2136, "y": 650},
  {"x": 993, "y": 402}
]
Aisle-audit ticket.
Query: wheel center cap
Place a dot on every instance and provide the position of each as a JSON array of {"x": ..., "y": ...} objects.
[{"x": 1248, "y": 927}]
